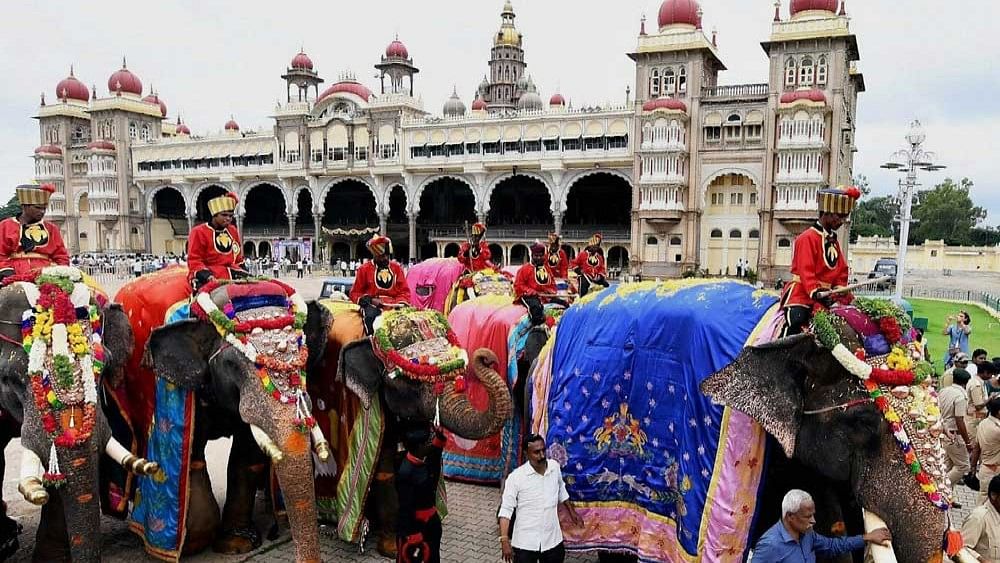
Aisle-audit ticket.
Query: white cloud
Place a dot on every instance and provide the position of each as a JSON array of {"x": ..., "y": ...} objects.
[{"x": 213, "y": 58}]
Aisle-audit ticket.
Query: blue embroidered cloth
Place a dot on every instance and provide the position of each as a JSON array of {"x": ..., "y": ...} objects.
[{"x": 627, "y": 420}]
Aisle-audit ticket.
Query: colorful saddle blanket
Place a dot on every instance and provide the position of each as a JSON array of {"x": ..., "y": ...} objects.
[{"x": 418, "y": 344}]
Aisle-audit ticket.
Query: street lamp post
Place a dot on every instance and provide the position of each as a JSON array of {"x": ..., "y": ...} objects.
[{"x": 908, "y": 160}]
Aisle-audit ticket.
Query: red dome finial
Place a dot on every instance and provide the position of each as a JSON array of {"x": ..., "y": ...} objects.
[
  {"x": 809, "y": 5},
  {"x": 231, "y": 125},
  {"x": 843, "y": 8},
  {"x": 397, "y": 49},
  {"x": 301, "y": 61},
  {"x": 777, "y": 10},
  {"x": 154, "y": 98},
  {"x": 125, "y": 81},
  {"x": 70, "y": 88},
  {"x": 674, "y": 12}
]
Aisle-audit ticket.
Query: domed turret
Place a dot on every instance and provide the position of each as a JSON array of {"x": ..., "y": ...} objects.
[
  {"x": 231, "y": 125},
  {"x": 479, "y": 104},
  {"x": 70, "y": 88},
  {"x": 679, "y": 12},
  {"x": 347, "y": 86},
  {"x": 454, "y": 107},
  {"x": 154, "y": 98},
  {"x": 301, "y": 61},
  {"x": 557, "y": 100},
  {"x": 799, "y": 6},
  {"x": 124, "y": 81},
  {"x": 508, "y": 34},
  {"x": 397, "y": 50},
  {"x": 181, "y": 129}
]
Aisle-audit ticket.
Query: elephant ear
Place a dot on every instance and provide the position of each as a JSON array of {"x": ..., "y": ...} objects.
[
  {"x": 179, "y": 351},
  {"x": 361, "y": 370},
  {"x": 766, "y": 383},
  {"x": 317, "y": 331},
  {"x": 118, "y": 342}
]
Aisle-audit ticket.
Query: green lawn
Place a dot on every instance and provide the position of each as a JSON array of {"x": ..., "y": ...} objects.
[{"x": 985, "y": 328}]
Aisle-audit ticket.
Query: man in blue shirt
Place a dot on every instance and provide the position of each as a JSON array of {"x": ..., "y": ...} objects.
[{"x": 792, "y": 539}]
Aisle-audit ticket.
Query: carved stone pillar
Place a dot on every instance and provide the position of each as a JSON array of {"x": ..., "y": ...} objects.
[
  {"x": 291, "y": 226},
  {"x": 481, "y": 217},
  {"x": 413, "y": 235},
  {"x": 191, "y": 219},
  {"x": 557, "y": 217},
  {"x": 383, "y": 220},
  {"x": 148, "y": 226},
  {"x": 317, "y": 237}
]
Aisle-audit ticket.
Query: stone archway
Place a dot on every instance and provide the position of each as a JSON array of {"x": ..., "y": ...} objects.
[
  {"x": 598, "y": 201},
  {"x": 518, "y": 254},
  {"x": 497, "y": 255},
  {"x": 731, "y": 215},
  {"x": 264, "y": 212},
  {"x": 520, "y": 200},
  {"x": 451, "y": 250},
  {"x": 349, "y": 203},
  {"x": 617, "y": 260},
  {"x": 168, "y": 221}
]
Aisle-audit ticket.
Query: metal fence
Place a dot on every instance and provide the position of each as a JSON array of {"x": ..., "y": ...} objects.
[{"x": 989, "y": 300}]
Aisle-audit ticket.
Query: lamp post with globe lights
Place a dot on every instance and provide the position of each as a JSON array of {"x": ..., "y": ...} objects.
[{"x": 908, "y": 160}]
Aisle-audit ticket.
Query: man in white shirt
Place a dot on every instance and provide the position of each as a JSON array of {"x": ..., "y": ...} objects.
[{"x": 535, "y": 489}]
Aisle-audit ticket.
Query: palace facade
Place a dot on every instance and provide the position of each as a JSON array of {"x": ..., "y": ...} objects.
[{"x": 686, "y": 173}]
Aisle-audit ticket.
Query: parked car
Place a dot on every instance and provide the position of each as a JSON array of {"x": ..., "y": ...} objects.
[
  {"x": 337, "y": 288},
  {"x": 884, "y": 267}
]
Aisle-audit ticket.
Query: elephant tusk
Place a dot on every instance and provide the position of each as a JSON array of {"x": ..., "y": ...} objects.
[
  {"x": 131, "y": 463},
  {"x": 320, "y": 445},
  {"x": 30, "y": 485},
  {"x": 266, "y": 444}
]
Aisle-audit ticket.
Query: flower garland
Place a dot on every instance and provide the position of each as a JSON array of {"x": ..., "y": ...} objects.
[
  {"x": 59, "y": 311},
  {"x": 426, "y": 369},
  {"x": 237, "y": 335},
  {"x": 909, "y": 456}
]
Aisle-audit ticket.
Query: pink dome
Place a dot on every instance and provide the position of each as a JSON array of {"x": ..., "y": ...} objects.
[
  {"x": 182, "y": 129},
  {"x": 155, "y": 99},
  {"x": 803, "y": 5},
  {"x": 101, "y": 145},
  {"x": 665, "y": 103},
  {"x": 810, "y": 95},
  {"x": 478, "y": 104},
  {"x": 557, "y": 99},
  {"x": 125, "y": 81},
  {"x": 302, "y": 62},
  {"x": 679, "y": 12},
  {"x": 49, "y": 150},
  {"x": 231, "y": 125},
  {"x": 72, "y": 89},
  {"x": 397, "y": 49},
  {"x": 346, "y": 87}
]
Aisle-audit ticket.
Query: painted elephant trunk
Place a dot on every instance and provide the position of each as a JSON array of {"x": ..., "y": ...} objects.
[
  {"x": 76, "y": 503},
  {"x": 462, "y": 418},
  {"x": 295, "y": 475}
]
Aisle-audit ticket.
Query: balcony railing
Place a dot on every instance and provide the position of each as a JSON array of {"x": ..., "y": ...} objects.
[
  {"x": 796, "y": 198},
  {"x": 735, "y": 92},
  {"x": 533, "y": 232}
]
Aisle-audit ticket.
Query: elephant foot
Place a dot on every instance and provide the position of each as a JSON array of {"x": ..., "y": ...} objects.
[
  {"x": 386, "y": 546},
  {"x": 32, "y": 490},
  {"x": 237, "y": 541}
]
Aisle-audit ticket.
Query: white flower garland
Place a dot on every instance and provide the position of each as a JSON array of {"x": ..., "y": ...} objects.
[
  {"x": 851, "y": 363},
  {"x": 81, "y": 295},
  {"x": 31, "y": 293},
  {"x": 74, "y": 274}
]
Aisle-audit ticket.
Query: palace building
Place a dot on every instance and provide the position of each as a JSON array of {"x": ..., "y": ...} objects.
[{"x": 686, "y": 173}]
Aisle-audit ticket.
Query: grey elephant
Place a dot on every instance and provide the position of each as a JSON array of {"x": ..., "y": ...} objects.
[
  {"x": 71, "y": 487},
  {"x": 386, "y": 403},
  {"x": 261, "y": 405}
]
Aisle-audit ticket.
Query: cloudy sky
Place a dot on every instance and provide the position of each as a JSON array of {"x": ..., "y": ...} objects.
[{"x": 924, "y": 59}]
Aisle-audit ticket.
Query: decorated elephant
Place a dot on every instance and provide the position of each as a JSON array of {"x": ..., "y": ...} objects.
[
  {"x": 235, "y": 365},
  {"x": 410, "y": 372},
  {"x": 629, "y": 399},
  {"x": 494, "y": 323},
  {"x": 61, "y": 343}
]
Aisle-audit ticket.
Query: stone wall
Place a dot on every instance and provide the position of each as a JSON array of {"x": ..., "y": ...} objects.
[{"x": 932, "y": 255}]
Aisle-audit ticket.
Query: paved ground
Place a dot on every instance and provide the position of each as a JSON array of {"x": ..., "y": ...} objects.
[{"x": 469, "y": 532}]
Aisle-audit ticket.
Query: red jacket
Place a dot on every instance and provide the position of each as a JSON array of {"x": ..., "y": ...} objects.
[
  {"x": 818, "y": 263},
  {"x": 476, "y": 260},
  {"x": 533, "y": 281},
  {"x": 559, "y": 263},
  {"x": 387, "y": 284},
  {"x": 591, "y": 264},
  {"x": 215, "y": 251},
  {"x": 48, "y": 248}
]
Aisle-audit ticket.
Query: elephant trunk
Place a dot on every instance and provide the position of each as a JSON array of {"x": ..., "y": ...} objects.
[
  {"x": 295, "y": 475},
  {"x": 462, "y": 418},
  {"x": 889, "y": 490},
  {"x": 73, "y": 510}
]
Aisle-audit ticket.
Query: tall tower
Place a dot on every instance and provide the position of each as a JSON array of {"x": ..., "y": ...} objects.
[
  {"x": 301, "y": 73},
  {"x": 506, "y": 63}
]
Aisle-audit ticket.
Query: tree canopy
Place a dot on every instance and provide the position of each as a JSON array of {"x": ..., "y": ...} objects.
[{"x": 12, "y": 209}]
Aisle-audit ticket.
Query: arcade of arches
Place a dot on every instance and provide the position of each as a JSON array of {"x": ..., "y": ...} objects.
[{"x": 519, "y": 211}]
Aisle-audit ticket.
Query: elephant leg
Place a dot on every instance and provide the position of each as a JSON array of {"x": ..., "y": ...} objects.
[
  {"x": 202, "y": 521},
  {"x": 384, "y": 504},
  {"x": 9, "y": 528},
  {"x": 245, "y": 473}
]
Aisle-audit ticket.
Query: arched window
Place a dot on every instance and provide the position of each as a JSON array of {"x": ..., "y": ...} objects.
[
  {"x": 654, "y": 84},
  {"x": 83, "y": 236},
  {"x": 675, "y": 241},
  {"x": 821, "y": 71},
  {"x": 716, "y": 233},
  {"x": 133, "y": 130},
  {"x": 790, "y": 72},
  {"x": 669, "y": 85},
  {"x": 682, "y": 85},
  {"x": 806, "y": 72},
  {"x": 784, "y": 243},
  {"x": 652, "y": 241},
  {"x": 736, "y": 233},
  {"x": 754, "y": 234}
]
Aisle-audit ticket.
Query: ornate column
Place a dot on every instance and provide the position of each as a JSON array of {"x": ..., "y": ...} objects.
[
  {"x": 558, "y": 217},
  {"x": 317, "y": 236},
  {"x": 191, "y": 219},
  {"x": 481, "y": 217},
  {"x": 291, "y": 226},
  {"x": 413, "y": 234},
  {"x": 239, "y": 224},
  {"x": 383, "y": 219},
  {"x": 148, "y": 226}
]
